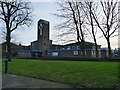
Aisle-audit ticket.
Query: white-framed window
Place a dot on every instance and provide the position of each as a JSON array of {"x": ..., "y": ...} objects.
[
  {"x": 75, "y": 52},
  {"x": 93, "y": 52}
]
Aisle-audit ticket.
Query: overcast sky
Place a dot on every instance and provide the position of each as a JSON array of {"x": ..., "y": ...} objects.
[{"x": 44, "y": 10}]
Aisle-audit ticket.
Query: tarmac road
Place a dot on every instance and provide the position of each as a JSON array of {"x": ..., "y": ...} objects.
[{"x": 16, "y": 81}]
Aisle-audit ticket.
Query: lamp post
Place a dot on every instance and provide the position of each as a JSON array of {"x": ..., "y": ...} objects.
[{"x": 6, "y": 61}]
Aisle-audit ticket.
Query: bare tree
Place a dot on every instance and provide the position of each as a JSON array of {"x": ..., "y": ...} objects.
[
  {"x": 109, "y": 24},
  {"x": 71, "y": 12},
  {"x": 87, "y": 7},
  {"x": 14, "y": 13}
]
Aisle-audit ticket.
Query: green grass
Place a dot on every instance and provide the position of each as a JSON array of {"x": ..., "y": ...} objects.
[{"x": 76, "y": 73}]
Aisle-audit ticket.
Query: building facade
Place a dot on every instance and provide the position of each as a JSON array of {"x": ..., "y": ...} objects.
[
  {"x": 14, "y": 49},
  {"x": 39, "y": 47},
  {"x": 74, "y": 49},
  {"x": 44, "y": 47}
]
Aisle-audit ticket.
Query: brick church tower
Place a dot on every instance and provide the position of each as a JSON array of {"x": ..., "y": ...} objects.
[{"x": 43, "y": 36}]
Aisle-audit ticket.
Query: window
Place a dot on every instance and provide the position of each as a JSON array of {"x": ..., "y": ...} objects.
[
  {"x": 40, "y": 28},
  {"x": 78, "y": 47},
  {"x": 75, "y": 52},
  {"x": 48, "y": 52},
  {"x": 93, "y": 52},
  {"x": 68, "y": 47},
  {"x": 73, "y": 47},
  {"x": 54, "y": 53},
  {"x": 56, "y": 48},
  {"x": 44, "y": 43},
  {"x": 32, "y": 44},
  {"x": 41, "y": 31}
]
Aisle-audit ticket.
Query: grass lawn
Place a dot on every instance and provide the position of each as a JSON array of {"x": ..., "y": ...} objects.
[{"x": 76, "y": 73}]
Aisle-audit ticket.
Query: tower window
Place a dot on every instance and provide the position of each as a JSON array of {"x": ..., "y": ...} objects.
[
  {"x": 40, "y": 28},
  {"x": 32, "y": 44},
  {"x": 41, "y": 31},
  {"x": 44, "y": 43},
  {"x": 40, "y": 25}
]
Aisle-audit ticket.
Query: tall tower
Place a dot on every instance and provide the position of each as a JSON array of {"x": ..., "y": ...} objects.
[{"x": 43, "y": 36}]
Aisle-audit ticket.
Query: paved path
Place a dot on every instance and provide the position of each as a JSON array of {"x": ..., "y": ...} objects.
[{"x": 16, "y": 81}]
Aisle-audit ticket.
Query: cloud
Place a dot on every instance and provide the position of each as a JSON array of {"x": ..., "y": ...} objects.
[{"x": 43, "y": 0}]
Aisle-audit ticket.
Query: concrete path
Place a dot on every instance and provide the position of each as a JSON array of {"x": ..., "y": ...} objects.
[{"x": 16, "y": 81}]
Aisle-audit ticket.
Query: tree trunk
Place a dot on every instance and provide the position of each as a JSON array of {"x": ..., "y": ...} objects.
[
  {"x": 96, "y": 48},
  {"x": 109, "y": 48},
  {"x": 93, "y": 33},
  {"x": 8, "y": 38},
  {"x": 83, "y": 47}
]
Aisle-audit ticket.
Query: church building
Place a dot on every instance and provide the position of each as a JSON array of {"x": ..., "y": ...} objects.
[
  {"x": 44, "y": 47},
  {"x": 42, "y": 42}
]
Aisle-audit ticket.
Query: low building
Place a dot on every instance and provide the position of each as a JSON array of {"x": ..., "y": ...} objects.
[
  {"x": 74, "y": 49},
  {"x": 14, "y": 49},
  {"x": 103, "y": 52},
  {"x": 29, "y": 53},
  {"x": 116, "y": 52}
]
